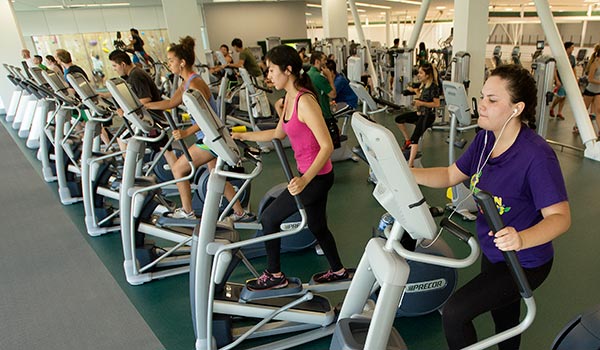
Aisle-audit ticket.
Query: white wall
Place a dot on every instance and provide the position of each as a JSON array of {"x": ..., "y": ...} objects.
[
  {"x": 75, "y": 21},
  {"x": 12, "y": 44},
  {"x": 254, "y": 22}
]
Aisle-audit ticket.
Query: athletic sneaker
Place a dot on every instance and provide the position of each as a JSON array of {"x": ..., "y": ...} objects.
[
  {"x": 330, "y": 276},
  {"x": 180, "y": 213},
  {"x": 267, "y": 281},
  {"x": 245, "y": 217}
]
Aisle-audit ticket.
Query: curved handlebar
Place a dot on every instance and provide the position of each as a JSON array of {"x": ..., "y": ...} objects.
[
  {"x": 173, "y": 127},
  {"x": 486, "y": 203}
]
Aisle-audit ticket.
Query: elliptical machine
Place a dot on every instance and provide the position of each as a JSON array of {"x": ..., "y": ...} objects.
[{"x": 384, "y": 262}]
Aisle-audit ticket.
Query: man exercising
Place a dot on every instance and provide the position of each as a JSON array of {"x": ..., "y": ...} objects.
[{"x": 246, "y": 60}]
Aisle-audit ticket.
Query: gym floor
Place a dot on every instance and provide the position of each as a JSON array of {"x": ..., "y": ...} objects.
[{"x": 353, "y": 214}]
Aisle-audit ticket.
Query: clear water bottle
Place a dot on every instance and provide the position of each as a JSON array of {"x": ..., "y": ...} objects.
[{"x": 386, "y": 220}]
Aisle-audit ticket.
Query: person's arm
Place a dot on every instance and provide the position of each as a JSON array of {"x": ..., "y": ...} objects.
[
  {"x": 440, "y": 177},
  {"x": 556, "y": 78},
  {"x": 556, "y": 221},
  {"x": 592, "y": 73},
  {"x": 434, "y": 104},
  {"x": 330, "y": 76},
  {"x": 173, "y": 102},
  {"x": 261, "y": 136},
  {"x": 310, "y": 113}
]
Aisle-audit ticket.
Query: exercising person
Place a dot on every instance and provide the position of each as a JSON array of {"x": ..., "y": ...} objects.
[
  {"x": 181, "y": 58},
  {"x": 137, "y": 46},
  {"x": 300, "y": 119},
  {"x": 246, "y": 59},
  {"x": 343, "y": 90},
  {"x": 427, "y": 99},
  {"x": 509, "y": 160},
  {"x": 561, "y": 94}
]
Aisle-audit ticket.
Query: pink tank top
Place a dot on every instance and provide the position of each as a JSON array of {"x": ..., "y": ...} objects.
[{"x": 303, "y": 141}]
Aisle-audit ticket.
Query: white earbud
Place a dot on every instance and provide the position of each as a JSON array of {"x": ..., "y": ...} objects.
[{"x": 515, "y": 111}]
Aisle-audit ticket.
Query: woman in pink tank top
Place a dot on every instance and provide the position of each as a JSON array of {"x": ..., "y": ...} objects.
[{"x": 301, "y": 120}]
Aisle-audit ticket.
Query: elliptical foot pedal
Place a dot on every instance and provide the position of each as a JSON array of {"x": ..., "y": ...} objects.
[
  {"x": 350, "y": 334},
  {"x": 294, "y": 288},
  {"x": 167, "y": 221}
]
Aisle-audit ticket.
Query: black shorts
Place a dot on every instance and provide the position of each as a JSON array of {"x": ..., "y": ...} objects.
[{"x": 587, "y": 92}]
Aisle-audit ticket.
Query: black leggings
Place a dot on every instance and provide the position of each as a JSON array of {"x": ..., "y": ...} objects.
[
  {"x": 422, "y": 122},
  {"x": 492, "y": 290},
  {"x": 314, "y": 199}
]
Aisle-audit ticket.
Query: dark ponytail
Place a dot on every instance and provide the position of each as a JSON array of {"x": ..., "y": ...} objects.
[
  {"x": 521, "y": 88},
  {"x": 284, "y": 56}
]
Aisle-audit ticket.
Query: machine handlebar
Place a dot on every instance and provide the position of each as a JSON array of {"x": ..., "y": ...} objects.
[
  {"x": 486, "y": 203},
  {"x": 287, "y": 169}
]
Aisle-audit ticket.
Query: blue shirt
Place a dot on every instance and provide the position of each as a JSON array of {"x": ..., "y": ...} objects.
[
  {"x": 344, "y": 92},
  {"x": 523, "y": 180}
]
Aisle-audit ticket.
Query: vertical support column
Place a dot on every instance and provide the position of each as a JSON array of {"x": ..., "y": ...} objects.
[
  {"x": 184, "y": 17},
  {"x": 388, "y": 29},
  {"x": 335, "y": 18},
  {"x": 412, "y": 42},
  {"x": 12, "y": 43},
  {"x": 580, "y": 113},
  {"x": 363, "y": 41},
  {"x": 470, "y": 35},
  {"x": 585, "y": 24}
]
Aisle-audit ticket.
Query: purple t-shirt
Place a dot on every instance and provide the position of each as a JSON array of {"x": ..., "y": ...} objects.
[{"x": 523, "y": 180}]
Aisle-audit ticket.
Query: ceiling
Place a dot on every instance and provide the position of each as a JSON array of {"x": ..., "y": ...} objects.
[{"x": 439, "y": 9}]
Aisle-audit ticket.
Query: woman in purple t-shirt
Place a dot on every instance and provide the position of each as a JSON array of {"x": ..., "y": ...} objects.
[
  {"x": 509, "y": 160},
  {"x": 301, "y": 120}
]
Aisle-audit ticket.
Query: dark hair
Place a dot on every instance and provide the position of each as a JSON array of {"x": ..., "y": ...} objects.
[
  {"x": 119, "y": 57},
  {"x": 569, "y": 44},
  {"x": 185, "y": 50},
  {"x": 134, "y": 31},
  {"x": 285, "y": 56},
  {"x": 225, "y": 46},
  {"x": 38, "y": 57},
  {"x": 237, "y": 43},
  {"x": 422, "y": 46},
  {"x": 521, "y": 87},
  {"x": 316, "y": 56},
  {"x": 330, "y": 64},
  {"x": 51, "y": 58},
  {"x": 396, "y": 41},
  {"x": 430, "y": 70}
]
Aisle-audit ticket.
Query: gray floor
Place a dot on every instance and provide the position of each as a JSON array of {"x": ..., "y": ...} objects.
[{"x": 55, "y": 291}]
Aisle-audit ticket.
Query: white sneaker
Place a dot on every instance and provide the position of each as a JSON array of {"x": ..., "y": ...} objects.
[
  {"x": 180, "y": 213},
  {"x": 246, "y": 217}
]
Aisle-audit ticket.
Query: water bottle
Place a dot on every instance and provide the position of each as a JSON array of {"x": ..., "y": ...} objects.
[{"x": 386, "y": 220}]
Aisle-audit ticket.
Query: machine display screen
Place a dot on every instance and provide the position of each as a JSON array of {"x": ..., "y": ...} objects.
[{"x": 539, "y": 45}]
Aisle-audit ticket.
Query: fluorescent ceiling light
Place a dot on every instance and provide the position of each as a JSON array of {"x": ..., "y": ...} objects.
[
  {"x": 358, "y": 10},
  {"x": 311, "y": 5},
  {"x": 307, "y": 14},
  {"x": 410, "y": 2},
  {"x": 508, "y": 9},
  {"x": 440, "y": 7},
  {"x": 75, "y": 6},
  {"x": 373, "y": 6}
]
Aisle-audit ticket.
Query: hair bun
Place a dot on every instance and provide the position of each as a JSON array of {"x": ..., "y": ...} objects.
[{"x": 188, "y": 42}]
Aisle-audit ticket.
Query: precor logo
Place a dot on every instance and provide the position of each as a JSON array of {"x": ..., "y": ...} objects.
[{"x": 426, "y": 286}]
